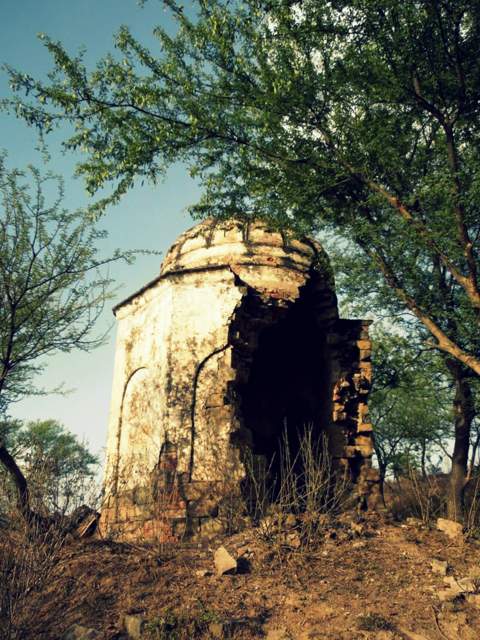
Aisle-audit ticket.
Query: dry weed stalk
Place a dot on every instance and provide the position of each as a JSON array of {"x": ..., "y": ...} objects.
[
  {"x": 232, "y": 512},
  {"x": 29, "y": 554},
  {"x": 420, "y": 496},
  {"x": 423, "y": 492},
  {"x": 294, "y": 510}
]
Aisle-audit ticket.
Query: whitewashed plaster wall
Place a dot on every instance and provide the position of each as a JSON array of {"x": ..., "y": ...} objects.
[{"x": 163, "y": 336}]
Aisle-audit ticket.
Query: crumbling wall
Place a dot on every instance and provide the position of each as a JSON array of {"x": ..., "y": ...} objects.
[
  {"x": 351, "y": 440},
  {"x": 185, "y": 348}
]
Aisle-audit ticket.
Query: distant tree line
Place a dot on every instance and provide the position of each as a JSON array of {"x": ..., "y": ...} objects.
[{"x": 60, "y": 470}]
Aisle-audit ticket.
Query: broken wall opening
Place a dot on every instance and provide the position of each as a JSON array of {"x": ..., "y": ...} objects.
[
  {"x": 284, "y": 384},
  {"x": 288, "y": 388}
]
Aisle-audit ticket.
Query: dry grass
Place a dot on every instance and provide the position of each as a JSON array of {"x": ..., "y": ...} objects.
[
  {"x": 292, "y": 512},
  {"x": 425, "y": 498},
  {"x": 29, "y": 555},
  {"x": 415, "y": 496},
  {"x": 349, "y": 584},
  {"x": 472, "y": 513}
]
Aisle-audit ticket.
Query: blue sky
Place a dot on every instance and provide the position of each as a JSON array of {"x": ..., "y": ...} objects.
[{"x": 148, "y": 217}]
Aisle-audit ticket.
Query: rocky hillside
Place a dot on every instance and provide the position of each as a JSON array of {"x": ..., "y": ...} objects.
[{"x": 368, "y": 578}]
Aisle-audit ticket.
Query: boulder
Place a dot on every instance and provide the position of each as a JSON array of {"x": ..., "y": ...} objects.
[
  {"x": 224, "y": 561},
  {"x": 450, "y": 528}
]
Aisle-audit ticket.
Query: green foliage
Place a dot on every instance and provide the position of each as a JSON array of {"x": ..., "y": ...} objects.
[
  {"x": 59, "y": 469},
  {"x": 52, "y": 290},
  {"x": 410, "y": 404},
  {"x": 412, "y": 401},
  {"x": 360, "y": 116}
]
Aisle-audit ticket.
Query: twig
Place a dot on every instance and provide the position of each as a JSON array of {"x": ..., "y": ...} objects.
[{"x": 437, "y": 624}]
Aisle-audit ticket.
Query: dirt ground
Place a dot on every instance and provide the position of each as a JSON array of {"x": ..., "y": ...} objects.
[{"x": 367, "y": 580}]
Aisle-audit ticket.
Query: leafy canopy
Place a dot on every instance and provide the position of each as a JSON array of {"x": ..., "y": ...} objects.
[
  {"x": 52, "y": 289},
  {"x": 410, "y": 403},
  {"x": 360, "y": 116}
]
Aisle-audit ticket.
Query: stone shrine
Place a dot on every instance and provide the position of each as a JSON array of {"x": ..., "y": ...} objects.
[{"x": 237, "y": 340}]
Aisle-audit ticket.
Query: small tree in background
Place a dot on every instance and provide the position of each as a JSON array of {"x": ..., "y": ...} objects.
[
  {"x": 52, "y": 292},
  {"x": 410, "y": 405},
  {"x": 59, "y": 469}
]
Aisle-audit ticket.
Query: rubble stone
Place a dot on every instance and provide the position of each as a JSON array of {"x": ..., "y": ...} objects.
[
  {"x": 468, "y": 584},
  {"x": 451, "y": 528},
  {"x": 440, "y": 567},
  {"x": 79, "y": 632},
  {"x": 448, "y": 595},
  {"x": 224, "y": 561}
]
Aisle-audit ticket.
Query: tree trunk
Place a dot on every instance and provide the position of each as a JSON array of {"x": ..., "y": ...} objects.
[
  {"x": 382, "y": 472},
  {"x": 23, "y": 496},
  {"x": 37, "y": 522},
  {"x": 464, "y": 412},
  {"x": 423, "y": 460}
]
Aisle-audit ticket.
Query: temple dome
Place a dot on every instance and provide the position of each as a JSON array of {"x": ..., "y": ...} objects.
[{"x": 216, "y": 243}]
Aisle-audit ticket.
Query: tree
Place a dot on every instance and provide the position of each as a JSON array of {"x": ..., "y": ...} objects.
[
  {"x": 357, "y": 115},
  {"x": 365, "y": 292},
  {"x": 58, "y": 467},
  {"x": 51, "y": 288},
  {"x": 410, "y": 404}
]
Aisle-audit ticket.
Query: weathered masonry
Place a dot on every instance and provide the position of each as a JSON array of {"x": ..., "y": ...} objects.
[{"x": 237, "y": 339}]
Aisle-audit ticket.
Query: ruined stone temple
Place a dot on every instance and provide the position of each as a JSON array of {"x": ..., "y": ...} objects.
[{"x": 235, "y": 341}]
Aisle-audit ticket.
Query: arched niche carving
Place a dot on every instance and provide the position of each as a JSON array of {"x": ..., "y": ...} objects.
[{"x": 140, "y": 434}]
